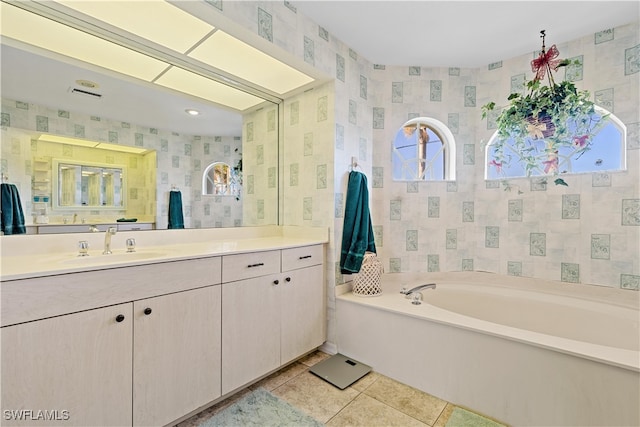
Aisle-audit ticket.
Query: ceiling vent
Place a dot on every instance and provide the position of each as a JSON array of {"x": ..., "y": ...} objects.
[{"x": 90, "y": 94}]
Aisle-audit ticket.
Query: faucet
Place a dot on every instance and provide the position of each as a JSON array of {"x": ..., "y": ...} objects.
[
  {"x": 408, "y": 292},
  {"x": 93, "y": 229},
  {"x": 107, "y": 240}
]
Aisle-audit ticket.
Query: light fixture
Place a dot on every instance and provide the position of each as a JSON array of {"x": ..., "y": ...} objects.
[
  {"x": 45, "y": 137},
  {"x": 192, "y": 112}
]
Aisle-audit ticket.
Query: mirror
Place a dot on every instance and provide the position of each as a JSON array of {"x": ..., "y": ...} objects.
[
  {"x": 46, "y": 92},
  {"x": 88, "y": 186}
]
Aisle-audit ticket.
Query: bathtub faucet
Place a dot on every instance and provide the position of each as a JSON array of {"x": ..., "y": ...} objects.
[{"x": 408, "y": 292}]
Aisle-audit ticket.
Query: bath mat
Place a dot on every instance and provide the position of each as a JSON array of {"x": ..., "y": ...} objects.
[
  {"x": 461, "y": 418},
  {"x": 260, "y": 409}
]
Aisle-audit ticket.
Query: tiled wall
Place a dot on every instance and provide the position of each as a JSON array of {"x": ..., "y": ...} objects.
[
  {"x": 260, "y": 164},
  {"x": 468, "y": 224},
  {"x": 588, "y": 232},
  {"x": 180, "y": 162}
]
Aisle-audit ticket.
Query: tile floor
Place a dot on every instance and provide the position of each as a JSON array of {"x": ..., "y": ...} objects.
[{"x": 374, "y": 400}]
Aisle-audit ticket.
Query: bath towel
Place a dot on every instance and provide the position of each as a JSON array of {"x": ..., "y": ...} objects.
[
  {"x": 12, "y": 215},
  {"x": 176, "y": 220},
  {"x": 357, "y": 232}
]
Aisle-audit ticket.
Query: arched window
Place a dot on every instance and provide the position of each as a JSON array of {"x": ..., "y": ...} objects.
[
  {"x": 424, "y": 149},
  {"x": 607, "y": 153}
]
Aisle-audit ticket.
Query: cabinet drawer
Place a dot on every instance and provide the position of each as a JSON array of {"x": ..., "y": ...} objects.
[
  {"x": 295, "y": 258},
  {"x": 134, "y": 226},
  {"x": 41, "y": 297},
  {"x": 245, "y": 266}
]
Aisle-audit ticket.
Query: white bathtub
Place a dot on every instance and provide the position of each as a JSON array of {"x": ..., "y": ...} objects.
[{"x": 524, "y": 351}]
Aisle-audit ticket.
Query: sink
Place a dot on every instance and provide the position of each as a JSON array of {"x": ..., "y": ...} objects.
[{"x": 114, "y": 257}]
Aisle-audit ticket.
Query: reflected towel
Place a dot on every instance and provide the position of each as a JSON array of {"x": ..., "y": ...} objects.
[
  {"x": 357, "y": 232},
  {"x": 176, "y": 220},
  {"x": 12, "y": 215}
]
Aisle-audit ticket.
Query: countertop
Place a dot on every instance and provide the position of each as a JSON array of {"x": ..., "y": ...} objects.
[{"x": 16, "y": 264}]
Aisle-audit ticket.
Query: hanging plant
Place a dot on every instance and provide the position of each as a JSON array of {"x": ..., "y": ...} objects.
[{"x": 540, "y": 125}]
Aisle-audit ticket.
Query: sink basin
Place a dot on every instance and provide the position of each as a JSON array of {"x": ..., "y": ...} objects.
[{"x": 114, "y": 257}]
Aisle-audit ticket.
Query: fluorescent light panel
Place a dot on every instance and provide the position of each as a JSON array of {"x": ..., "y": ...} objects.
[
  {"x": 229, "y": 54},
  {"x": 154, "y": 20},
  {"x": 202, "y": 87},
  {"x": 90, "y": 144},
  {"x": 33, "y": 29}
]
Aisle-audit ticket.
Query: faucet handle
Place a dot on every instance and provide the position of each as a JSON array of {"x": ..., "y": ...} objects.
[
  {"x": 83, "y": 248},
  {"x": 131, "y": 244}
]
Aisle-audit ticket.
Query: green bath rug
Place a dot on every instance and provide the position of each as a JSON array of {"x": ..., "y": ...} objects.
[
  {"x": 461, "y": 418},
  {"x": 260, "y": 409}
]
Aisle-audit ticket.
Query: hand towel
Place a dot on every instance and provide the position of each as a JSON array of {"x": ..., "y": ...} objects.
[
  {"x": 176, "y": 220},
  {"x": 11, "y": 207},
  {"x": 357, "y": 232}
]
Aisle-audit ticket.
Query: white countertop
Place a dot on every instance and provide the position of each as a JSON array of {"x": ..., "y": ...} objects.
[{"x": 24, "y": 256}]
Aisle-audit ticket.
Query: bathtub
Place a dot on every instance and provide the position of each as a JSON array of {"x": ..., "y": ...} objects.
[{"x": 520, "y": 350}]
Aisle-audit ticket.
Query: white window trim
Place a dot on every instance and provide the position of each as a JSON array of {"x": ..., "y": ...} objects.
[
  {"x": 448, "y": 142},
  {"x": 599, "y": 110}
]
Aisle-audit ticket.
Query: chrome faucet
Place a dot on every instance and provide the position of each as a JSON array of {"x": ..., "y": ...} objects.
[
  {"x": 408, "y": 292},
  {"x": 107, "y": 240}
]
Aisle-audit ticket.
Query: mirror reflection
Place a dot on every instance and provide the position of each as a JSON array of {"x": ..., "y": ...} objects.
[
  {"x": 89, "y": 185},
  {"x": 221, "y": 179}
]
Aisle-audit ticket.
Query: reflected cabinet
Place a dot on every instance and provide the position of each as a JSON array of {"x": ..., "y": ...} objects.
[{"x": 88, "y": 185}]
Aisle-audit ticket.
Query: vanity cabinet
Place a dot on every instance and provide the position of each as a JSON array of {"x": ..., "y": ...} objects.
[
  {"x": 76, "y": 367},
  {"x": 148, "y": 344},
  {"x": 176, "y": 355},
  {"x": 271, "y": 319}
]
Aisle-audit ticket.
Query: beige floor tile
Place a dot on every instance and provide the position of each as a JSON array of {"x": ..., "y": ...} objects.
[
  {"x": 280, "y": 377},
  {"x": 444, "y": 416},
  {"x": 366, "y": 411},
  {"x": 315, "y": 396},
  {"x": 313, "y": 358},
  {"x": 409, "y": 400},
  {"x": 366, "y": 381}
]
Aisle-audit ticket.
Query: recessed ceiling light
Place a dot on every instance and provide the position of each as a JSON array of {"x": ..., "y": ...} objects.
[{"x": 192, "y": 112}]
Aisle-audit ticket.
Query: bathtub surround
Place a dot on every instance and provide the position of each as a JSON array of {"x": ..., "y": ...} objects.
[{"x": 480, "y": 341}]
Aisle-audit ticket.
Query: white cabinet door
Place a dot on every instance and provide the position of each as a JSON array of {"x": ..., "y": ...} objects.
[
  {"x": 176, "y": 355},
  {"x": 72, "y": 370},
  {"x": 250, "y": 329},
  {"x": 303, "y": 312}
]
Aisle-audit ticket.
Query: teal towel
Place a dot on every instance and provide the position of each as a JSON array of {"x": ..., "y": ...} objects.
[
  {"x": 357, "y": 233},
  {"x": 176, "y": 220},
  {"x": 12, "y": 215}
]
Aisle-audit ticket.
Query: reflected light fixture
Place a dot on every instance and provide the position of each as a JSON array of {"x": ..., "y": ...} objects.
[
  {"x": 91, "y": 144},
  {"x": 192, "y": 112}
]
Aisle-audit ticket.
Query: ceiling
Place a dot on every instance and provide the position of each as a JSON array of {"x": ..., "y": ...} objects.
[
  {"x": 460, "y": 33},
  {"x": 446, "y": 33}
]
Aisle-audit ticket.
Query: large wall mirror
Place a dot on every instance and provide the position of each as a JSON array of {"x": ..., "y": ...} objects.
[{"x": 59, "y": 93}]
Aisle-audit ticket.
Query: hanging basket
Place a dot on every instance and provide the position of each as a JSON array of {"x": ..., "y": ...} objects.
[
  {"x": 540, "y": 127},
  {"x": 367, "y": 281}
]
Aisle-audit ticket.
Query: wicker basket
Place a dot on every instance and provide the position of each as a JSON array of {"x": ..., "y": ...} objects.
[{"x": 367, "y": 281}]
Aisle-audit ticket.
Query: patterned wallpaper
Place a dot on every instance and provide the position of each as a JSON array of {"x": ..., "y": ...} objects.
[
  {"x": 467, "y": 224},
  {"x": 584, "y": 233},
  {"x": 180, "y": 161}
]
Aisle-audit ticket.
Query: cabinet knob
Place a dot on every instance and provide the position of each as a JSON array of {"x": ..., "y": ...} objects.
[
  {"x": 119, "y": 318},
  {"x": 288, "y": 279},
  {"x": 147, "y": 311},
  {"x": 276, "y": 282}
]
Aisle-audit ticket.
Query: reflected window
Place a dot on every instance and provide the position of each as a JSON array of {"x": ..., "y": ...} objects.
[
  {"x": 605, "y": 153},
  {"x": 218, "y": 179},
  {"x": 423, "y": 150}
]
